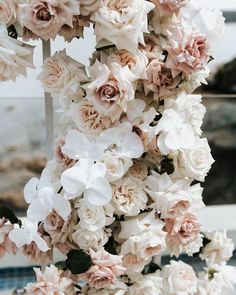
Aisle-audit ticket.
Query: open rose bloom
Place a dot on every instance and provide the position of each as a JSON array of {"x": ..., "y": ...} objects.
[{"x": 121, "y": 190}]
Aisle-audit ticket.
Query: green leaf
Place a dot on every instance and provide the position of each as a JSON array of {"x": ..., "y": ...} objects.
[
  {"x": 61, "y": 265},
  {"x": 12, "y": 32},
  {"x": 167, "y": 166},
  {"x": 150, "y": 268},
  {"x": 78, "y": 262},
  {"x": 9, "y": 214}
]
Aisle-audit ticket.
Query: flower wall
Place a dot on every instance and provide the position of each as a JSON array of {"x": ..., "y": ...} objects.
[{"x": 124, "y": 185}]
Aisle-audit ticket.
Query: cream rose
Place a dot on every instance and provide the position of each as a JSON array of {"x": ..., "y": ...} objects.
[
  {"x": 139, "y": 170},
  {"x": 133, "y": 265},
  {"x": 8, "y": 11},
  {"x": 45, "y": 18},
  {"x": 62, "y": 75},
  {"x": 15, "y": 57},
  {"x": 89, "y": 6},
  {"x": 129, "y": 197},
  {"x": 219, "y": 250},
  {"x": 105, "y": 270},
  {"x": 116, "y": 165},
  {"x": 179, "y": 278},
  {"x": 122, "y": 22},
  {"x": 88, "y": 119},
  {"x": 174, "y": 197},
  {"x": 86, "y": 239},
  {"x": 183, "y": 234},
  {"x": 111, "y": 88},
  {"x": 195, "y": 163},
  {"x": 91, "y": 217},
  {"x": 143, "y": 236},
  {"x": 150, "y": 284}
]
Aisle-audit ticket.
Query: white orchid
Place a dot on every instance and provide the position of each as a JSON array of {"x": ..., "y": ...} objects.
[
  {"x": 174, "y": 132},
  {"x": 27, "y": 234},
  {"x": 87, "y": 178},
  {"x": 78, "y": 146},
  {"x": 123, "y": 141},
  {"x": 43, "y": 200}
]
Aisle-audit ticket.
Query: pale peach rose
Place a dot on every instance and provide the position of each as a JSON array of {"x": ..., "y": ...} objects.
[
  {"x": 46, "y": 17},
  {"x": 160, "y": 79},
  {"x": 6, "y": 245},
  {"x": 60, "y": 231},
  {"x": 88, "y": 119},
  {"x": 60, "y": 157},
  {"x": 183, "y": 234},
  {"x": 77, "y": 30},
  {"x": 168, "y": 7},
  {"x": 133, "y": 264},
  {"x": 51, "y": 281},
  {"x": 37, "y": 256},
  {"x": 89, "y": 6},
  {"x": 8, "y": 12},
  {"x": 139, "y": 169},
  {"x": 179, "y": 278},
  {"x": 61, "y": 75},
  {"x": 187, "y": 51},
  {"x": 28, "y": 35},
  {"x": 111, "y": 88},
  {"x": 105, "y": 270}
]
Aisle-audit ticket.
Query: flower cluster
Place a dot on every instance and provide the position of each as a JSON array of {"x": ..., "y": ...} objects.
[{"x": 122, "y": 188}]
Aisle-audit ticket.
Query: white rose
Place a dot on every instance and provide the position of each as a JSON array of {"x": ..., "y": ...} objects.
[
  {"x": 174, "y": 132},
  {"x": 179, "y": 278},
  {"x": 133, "y": 265},
  {"x": 173, "y": 197},
  {"x": 15, "y": 57},
  {"x": 8, "y": 11},
  {"x": 195, "y": 162},
  {"x": 111, "y": 88},
  {"x": 86, "y": 239},
  {"x": 92, "y": 218},
  {"x": 139, "y": 170},
  {"x": 190, "y": 108},
  {"x": 148, "y": 285},
  {"x": 123, "y": 22},
  {"x": 219, "y": 250},
  {"x": 116, "y": 165},
  {"x": 143, "y": 236},
  {"x": 89, "y": 6},
  {"x": 62, "y": 76},
  {"x": 87, "y": 119},
  {"x": 129, "y": 197}
]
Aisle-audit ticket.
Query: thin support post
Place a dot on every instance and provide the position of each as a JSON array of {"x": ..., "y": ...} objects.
[{"x": 48, "y": 100}]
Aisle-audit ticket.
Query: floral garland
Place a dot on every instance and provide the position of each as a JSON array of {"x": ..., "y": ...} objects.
[{"x": 120, "y": 190}]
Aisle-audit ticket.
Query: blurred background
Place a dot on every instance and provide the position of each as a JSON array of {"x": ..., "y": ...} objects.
[{"x": 22, "y": 119}]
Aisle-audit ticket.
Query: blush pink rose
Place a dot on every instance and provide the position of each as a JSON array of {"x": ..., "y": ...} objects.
[
  {"x": 46, "y": 17},
  {"x": 183, "y": 234},
  {"x": 37, "y": 256},
  {"x": 6, "y": 245},
  {"x": 60, "y": 231},
  {"x": 187, "y": 52},
  {"x": 106, "y": 269},
  {"x": 160, "y": 79},
  {"x": 168, "y": 7}
]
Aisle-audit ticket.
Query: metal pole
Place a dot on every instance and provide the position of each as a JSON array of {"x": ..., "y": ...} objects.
[{"x": 48, "y": 109}]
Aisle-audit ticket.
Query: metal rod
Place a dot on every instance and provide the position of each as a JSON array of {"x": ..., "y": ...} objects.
[{"x": 48, "y": 109}]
